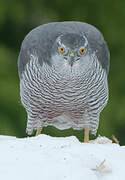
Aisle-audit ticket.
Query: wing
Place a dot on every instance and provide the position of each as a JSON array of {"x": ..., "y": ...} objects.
[
  {"x": 99, "y": 46},
  {"x": 96, "y": 43}
]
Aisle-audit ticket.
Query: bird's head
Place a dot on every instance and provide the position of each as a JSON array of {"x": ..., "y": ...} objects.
[{"x": 71, "y": 50}]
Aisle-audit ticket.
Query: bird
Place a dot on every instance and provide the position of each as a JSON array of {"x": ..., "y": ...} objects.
[{"x": 63, "y": 70}]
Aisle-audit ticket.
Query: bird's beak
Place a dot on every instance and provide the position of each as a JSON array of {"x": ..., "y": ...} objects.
[{"x": 71, "y": 59}]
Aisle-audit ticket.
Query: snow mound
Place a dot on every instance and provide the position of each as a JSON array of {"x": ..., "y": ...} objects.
[{"x": 50, "y": 158}]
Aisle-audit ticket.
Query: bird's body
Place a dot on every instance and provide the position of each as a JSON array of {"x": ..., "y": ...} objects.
[{"x": 55, "y": 92}]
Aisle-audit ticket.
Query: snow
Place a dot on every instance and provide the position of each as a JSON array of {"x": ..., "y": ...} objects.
[{"x": 51, "y": 158}]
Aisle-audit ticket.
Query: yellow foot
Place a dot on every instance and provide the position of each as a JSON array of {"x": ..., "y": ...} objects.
[
  {"x": 38, "y": 131},
  {"x": 86, "y": 135}
]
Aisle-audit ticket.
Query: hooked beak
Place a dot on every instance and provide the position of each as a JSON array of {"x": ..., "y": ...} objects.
[{"x": 71, "y": 59}]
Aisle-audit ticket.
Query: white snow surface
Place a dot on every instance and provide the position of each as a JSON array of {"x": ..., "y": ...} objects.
[{"x": 56, "y": 158}]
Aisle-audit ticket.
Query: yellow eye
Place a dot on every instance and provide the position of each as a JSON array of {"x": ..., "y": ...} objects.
[
  {"x": 82, "y": 51},
  {"x": 61, "y": 49}
]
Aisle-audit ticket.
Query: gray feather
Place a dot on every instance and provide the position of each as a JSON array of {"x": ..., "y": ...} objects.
[
  {"x": 54, "y": 93},
  {"x": 41, "y": 39}
]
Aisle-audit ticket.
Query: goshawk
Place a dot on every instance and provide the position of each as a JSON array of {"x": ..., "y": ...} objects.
[{"x": 63, "y": 69}]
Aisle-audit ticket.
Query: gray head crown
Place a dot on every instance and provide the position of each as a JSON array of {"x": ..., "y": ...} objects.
[{"x": 72, "y": 40}]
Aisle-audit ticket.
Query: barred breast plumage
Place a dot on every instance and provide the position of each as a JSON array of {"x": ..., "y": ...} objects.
[{"x": 64, "y": 97}]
